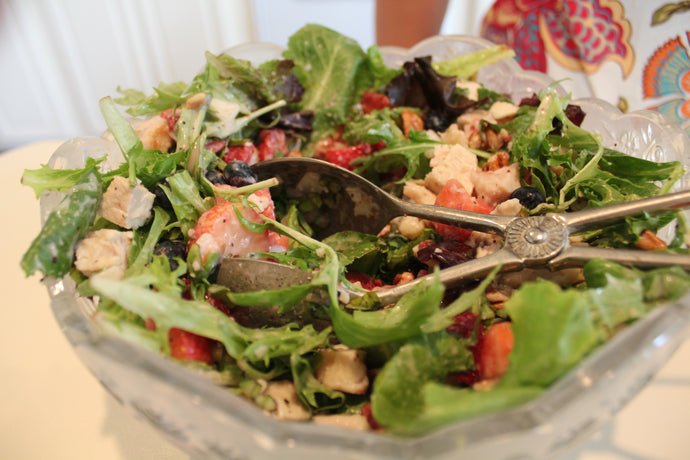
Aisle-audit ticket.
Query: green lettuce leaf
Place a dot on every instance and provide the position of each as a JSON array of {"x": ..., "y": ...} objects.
[
  {"x": 52, "y": 251},
  {"x": 46, "y": 178},
  {"x": 328, "y": 66},
  {"x": 398, "y": 401},
  {"x": 399, "y": 322},
  {"x": 553, "y": 331}
]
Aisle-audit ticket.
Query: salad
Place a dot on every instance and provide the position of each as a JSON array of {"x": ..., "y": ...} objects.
[{"x": 147, "y": 238}]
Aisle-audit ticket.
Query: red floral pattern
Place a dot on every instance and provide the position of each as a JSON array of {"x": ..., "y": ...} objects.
[{"x": 579, "y": 35}]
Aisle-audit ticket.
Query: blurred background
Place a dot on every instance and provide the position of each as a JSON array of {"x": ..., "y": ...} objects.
[{"x": 57, "y": 59}]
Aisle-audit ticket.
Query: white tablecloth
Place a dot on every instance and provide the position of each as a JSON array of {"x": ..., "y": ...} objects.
[{"x": 52, "y": 407}]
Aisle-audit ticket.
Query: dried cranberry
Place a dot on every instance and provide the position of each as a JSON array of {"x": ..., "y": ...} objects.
[
  {"x": 446, "y": 253},
  {"x": 531, "y": 101},
  {"x": 575, "y": 114},
  {"x": 366, "y": 412},
  {"x": 464, "y": 324}
]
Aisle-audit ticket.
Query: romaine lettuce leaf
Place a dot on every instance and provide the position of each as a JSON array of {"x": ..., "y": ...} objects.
[{"x": 329, "y": 66}]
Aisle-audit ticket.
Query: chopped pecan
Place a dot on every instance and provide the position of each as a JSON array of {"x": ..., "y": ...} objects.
[
  {"x": 411, "y": 121},
  {"x": 497, "y": 161},
  {"x": 650, "y": 242}
]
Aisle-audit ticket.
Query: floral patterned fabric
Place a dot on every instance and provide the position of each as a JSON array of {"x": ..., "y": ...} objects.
[{"x": 633, "y": 54}]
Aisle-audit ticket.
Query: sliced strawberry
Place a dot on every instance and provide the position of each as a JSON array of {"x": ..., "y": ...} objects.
[
  {"x": 219, "y": 305},
  {"x": 366, "y": 412},
  {"x": 171, "y": 116},
  {"x": 453, "y": 195},
  {"x": 345, "y": 156},
  {"x": 329, "y": 143},
  {"x": 187, "y": 346},
  {"x": 271, "y": 141},
  {"x": 371, "y": 101},
  {"x": 493, "y": 351},
  {"x": 216, "y": 145},
  {"x": 246, "y": 152}
]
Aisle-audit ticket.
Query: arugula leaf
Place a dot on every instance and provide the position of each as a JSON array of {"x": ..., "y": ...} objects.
[
  {"x": 241, "y": 75},
  {"x": 378, "y": 125},
  {"x": 252, "y": 348},
  {"x": 141, "y": 255},
  {"x": 46, "y": 178},
  {"x": 186, "y": 200},
  {"x": 652, "y": 286},
  {"x": 408, "y": 154},
  {"x": 165, "y": 96}
]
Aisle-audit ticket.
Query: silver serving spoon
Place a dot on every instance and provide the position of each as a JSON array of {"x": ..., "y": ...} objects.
[
  {"x": 347, "y": 201},
  {"x": 249, "y": 275},
  {"x": 342, "y": 200}
]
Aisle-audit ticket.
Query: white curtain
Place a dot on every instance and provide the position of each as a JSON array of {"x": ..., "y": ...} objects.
[{"x": 58, "y": 58}]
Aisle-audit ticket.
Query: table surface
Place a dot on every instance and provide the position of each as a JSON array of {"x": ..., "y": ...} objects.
[{"x": 52, "y": 404}]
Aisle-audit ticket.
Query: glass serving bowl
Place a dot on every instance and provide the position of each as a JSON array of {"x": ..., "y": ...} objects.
[{"x": 210, "y": 422}]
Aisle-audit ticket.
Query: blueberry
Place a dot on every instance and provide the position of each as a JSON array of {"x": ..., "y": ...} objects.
[
  {"x": 215, "y": 177},
  {"x": 436, "y": 122},
  {"x": 171, "y": 249},
  {"x": 529, "y": 197},
  {"x": 161, "y": 199},
  {"x": 238, "y": 174}
]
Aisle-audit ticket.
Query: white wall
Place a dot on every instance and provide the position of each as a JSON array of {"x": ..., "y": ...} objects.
[{"x": 58, "y": 58}]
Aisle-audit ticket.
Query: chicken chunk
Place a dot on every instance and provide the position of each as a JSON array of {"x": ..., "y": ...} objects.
[
  {"x": 411, "y": 227},
  {"x": 343, "y": 369},
  {"x": 154, "y": 134},
  {"x": 451, "y": 162},
  {"x": 128, "y": 207},
  {"x": 502, "y": 110},
  {"x": 104, "y": 250},
  {"x": 288, "y": 404},
  {"x": 494, "y": 187},
  {"x": 418, "y": 193}
]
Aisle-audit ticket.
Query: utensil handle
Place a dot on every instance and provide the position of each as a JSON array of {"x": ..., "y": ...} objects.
[
  {"x": 581, "y": 220},
  {"x": 470, "y": 220},
  {"x": 578, "y": 255},
  {"x": 456, "y": 275}
]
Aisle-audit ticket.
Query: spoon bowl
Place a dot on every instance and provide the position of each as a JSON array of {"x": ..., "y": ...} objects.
[{"x": 334, "y": 199}]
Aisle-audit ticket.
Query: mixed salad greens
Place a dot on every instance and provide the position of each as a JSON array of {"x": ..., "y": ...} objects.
[{"x": 146, "y": 239}]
